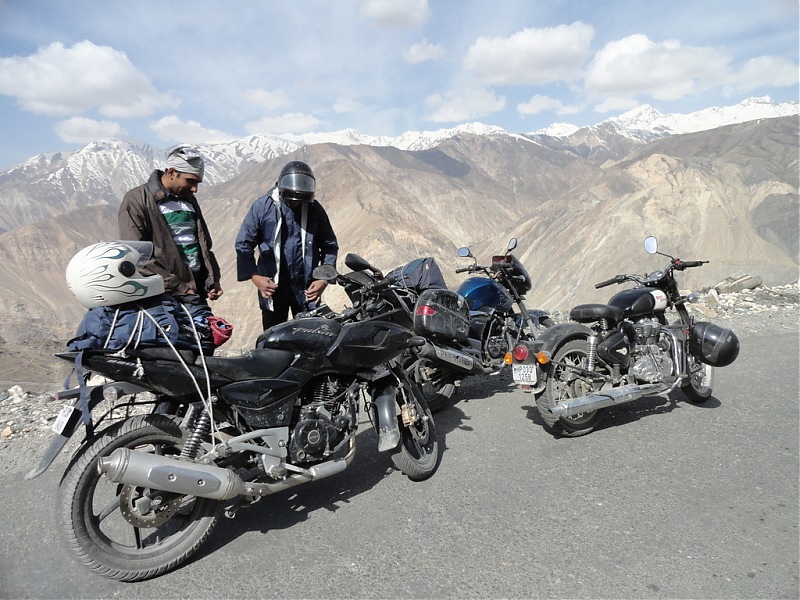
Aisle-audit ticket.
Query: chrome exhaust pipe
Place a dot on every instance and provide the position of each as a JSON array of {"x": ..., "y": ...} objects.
[
  {"x": 605, "y": 398},
  {"x": 142, "y": 469}
]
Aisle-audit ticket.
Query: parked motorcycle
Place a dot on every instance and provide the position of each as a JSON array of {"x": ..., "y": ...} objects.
[
  {"x": 143, "y": 492},
  {"x": 472, "y": 330},
  {"x": 621, "y": 351}
]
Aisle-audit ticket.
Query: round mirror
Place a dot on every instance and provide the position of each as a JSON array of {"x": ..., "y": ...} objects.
[
  {"x": 463, "y": 252},
  {"x": 650, "y": 244},
  {"x": 512, "y": 243},
  {"x": 325, "y": 272}
]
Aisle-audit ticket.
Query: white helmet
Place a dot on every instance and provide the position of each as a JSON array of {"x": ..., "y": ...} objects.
[{"x": 107, "y": 273}]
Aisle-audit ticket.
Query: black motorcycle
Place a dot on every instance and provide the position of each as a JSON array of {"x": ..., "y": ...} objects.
[
  {"x": 472, "y": 330},
  {"x": 174, "y": 438},
  {"x": 621, "y": 351}
]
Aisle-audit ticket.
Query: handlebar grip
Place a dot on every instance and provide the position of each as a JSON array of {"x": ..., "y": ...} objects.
[
  {"x": 462, "y": 270},
  {"x": 606, "y": 282},
  {"x": 692, "y": 263}
]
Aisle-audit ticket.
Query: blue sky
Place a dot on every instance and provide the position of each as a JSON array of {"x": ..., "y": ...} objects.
[{"x": 74, "y": 71}]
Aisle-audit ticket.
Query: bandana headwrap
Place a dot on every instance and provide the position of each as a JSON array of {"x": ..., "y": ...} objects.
[{"x": 186, "y": 160}]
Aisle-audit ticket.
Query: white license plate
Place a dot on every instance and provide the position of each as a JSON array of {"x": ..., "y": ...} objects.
[
  {"x": 524, "y": 373},
  {"x": 64, "y": 415}
]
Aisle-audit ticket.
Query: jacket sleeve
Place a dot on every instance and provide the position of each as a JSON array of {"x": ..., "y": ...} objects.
[
  {"x": 249, "y": 238},
  {"x": 326, "y": 239},
  {"x": 133, "y": 221}
]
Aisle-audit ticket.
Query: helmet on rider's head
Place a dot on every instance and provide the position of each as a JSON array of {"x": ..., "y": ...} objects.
[
  {"x": 714, "y": 345},
  {"x": 107, "y": 273},
  {"x": 297, "y": 182}
]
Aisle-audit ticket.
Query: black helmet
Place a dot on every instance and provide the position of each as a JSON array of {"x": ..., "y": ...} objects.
[
  {"x": 714, "y": 345},
  {"x": 296, "y": 182}
]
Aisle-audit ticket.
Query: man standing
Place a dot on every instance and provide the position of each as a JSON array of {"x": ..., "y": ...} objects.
[
  {"x": 165, "y": 211},
  {"x": 293, "y": 235}
]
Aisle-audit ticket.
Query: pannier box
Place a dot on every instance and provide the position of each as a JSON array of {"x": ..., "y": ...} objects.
[{"x": 443, "y": 315}]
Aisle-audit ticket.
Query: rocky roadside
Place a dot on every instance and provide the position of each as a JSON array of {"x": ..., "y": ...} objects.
[{"x": 25, "y": 417}]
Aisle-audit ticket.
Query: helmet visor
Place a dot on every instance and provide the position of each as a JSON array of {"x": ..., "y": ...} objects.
[
  {"x": 141, "y": 251},
  {"x": 297, "y": 182}
]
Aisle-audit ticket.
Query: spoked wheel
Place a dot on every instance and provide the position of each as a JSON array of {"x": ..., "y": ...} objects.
[
  {"x": 125, "y": 532},
  {"x": 417, "y": 455},
  {"x": 436, "y": 384},
  {"x": 701, "y": 380},
  {"x": 564, "y": 384}
]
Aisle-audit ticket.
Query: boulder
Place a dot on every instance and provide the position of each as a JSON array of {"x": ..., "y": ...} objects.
[{"x": 737, "y": 284}]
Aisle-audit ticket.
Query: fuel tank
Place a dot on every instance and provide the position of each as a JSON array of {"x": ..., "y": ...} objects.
[
  {"x": 482, "y": 293},
  {"x": 313, "y": 335},
  {"x": 639, "y": 301}
]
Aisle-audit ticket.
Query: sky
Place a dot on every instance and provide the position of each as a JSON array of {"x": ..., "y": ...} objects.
[{"x": 163, "y": 72}]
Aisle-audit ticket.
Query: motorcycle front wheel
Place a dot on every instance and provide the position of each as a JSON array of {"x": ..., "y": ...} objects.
[
  {"x": 565, "y": 384},
  {"x": 125, "y": 532},
  {"x": 417, "y": 456},
  {"x": 701, "y": 380}
]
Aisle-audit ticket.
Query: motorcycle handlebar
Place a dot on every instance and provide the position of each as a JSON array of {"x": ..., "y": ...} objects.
[
  {"x": 684, "y": 264},
  {"x": 615, "y": 279},
  {"x": 463, "y": 269}
]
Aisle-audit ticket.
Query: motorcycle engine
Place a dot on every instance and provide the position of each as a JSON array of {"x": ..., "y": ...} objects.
[
  {"x": 652, "y": 362},
  {"x": 326, "y": 414}
]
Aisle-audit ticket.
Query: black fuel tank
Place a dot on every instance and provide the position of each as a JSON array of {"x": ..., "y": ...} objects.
[
  {"x": 639, "y": 301},
  {"x": 313, "y": 335}
]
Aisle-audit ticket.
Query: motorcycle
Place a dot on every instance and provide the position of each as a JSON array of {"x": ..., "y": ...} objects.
[
  {"x": 472, "y": 330},
  {"x": 174, "y": 438},
  {"x": 618, "y": 352}
]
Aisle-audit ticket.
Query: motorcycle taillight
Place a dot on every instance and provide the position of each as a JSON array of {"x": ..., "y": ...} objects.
[{"x": 520, "y": 353}]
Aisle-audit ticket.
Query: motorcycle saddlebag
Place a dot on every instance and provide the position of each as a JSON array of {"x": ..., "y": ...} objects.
[{"x": 442, "y": 315}]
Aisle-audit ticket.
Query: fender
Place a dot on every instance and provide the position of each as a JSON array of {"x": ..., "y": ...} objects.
[
  {"x": 552, "y": 338},
  {"x": 384, "y": 409}
]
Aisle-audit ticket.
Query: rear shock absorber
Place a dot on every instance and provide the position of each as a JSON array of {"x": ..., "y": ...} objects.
[
  {"x": 591, "y": 352},
  {"x": 201, "y": 428}
]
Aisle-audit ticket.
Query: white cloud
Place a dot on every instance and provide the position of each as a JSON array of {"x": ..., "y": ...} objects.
[
  {"x": 531, "y": 56},
  {"x": 769, "y": 71},
  {"x": 539, "y": 104},
  {"x": 616, "y": 104},
  {"x": 396, "y": 13},
  {"x": 463, "y": 106},
  {"x": 288, "y": 123},
  {"x": 423, "y": 51},
  {"x": 346, "y": 105},
  {"x": 173, "y": 129},
  {"x": 268, "y": 100},
  {"x": 80, "y": 130},
  {"x": 61, "y": 81},
  {"x": 665, "y": 70}
]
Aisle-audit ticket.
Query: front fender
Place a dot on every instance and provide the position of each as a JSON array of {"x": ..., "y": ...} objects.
[{"x": 384, "y": 411}]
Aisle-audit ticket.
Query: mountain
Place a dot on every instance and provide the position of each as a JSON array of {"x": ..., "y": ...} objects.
[{"x": 579, "y": 204}]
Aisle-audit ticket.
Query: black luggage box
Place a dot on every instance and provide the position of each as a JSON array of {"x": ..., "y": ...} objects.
[{"x": 442, "y": 315}]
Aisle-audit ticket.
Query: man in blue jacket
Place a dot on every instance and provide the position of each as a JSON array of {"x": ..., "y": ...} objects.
[{"x": 293, "y": 235}]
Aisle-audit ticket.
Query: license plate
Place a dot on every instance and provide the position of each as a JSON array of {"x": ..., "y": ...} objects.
[
  {"x": 66, "y": 416},
  {"x": 524, "y": 373}
]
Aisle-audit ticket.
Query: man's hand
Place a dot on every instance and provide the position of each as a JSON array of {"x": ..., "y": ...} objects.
[
  {"x": 266, "y": 287},
  {"x": 215, "y": 291},
  {"x": 314, "y": 291}
]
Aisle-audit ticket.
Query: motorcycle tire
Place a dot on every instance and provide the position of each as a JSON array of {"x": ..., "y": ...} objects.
[
  {"x": 113, "y": 529},
  {"x": 701, "y": 379},
  {"x": 417, "y": 456},
  {"x": 564, "y": 384}
]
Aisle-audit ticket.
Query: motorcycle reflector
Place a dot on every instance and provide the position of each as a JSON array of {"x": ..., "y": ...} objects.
[{"x": 426, "y": 310}]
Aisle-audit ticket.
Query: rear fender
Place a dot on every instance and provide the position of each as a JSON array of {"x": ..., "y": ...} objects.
[{"x": 556, "y": 336}]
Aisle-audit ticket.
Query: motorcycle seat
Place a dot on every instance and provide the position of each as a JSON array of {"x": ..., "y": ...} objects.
[
  {"x": 587, "y": 313},
  {"x": 256, "y": 364}
]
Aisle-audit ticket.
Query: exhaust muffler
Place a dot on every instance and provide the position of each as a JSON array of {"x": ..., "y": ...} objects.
[
  {"x": 142, "y": 469},
  {"x": 468, "y": 364},
  {"x": 605, "y": 398}
]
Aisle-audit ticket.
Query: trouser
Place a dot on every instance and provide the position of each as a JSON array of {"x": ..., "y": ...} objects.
[{"x": 282, "y": 300}]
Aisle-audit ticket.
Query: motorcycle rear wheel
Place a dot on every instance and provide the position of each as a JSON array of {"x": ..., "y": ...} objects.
[
  {"x": 417, "y": 456},
  {"x": 564, "y": 384},
  {"x": 129, "y": 533},
  {"x": 701, "y": 380}
]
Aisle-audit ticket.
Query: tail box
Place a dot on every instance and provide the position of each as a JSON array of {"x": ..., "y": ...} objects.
[{"x": 442, "y": 315}]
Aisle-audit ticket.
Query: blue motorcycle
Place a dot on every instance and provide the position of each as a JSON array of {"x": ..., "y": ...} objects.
[{"x": 472, "y": 331}]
